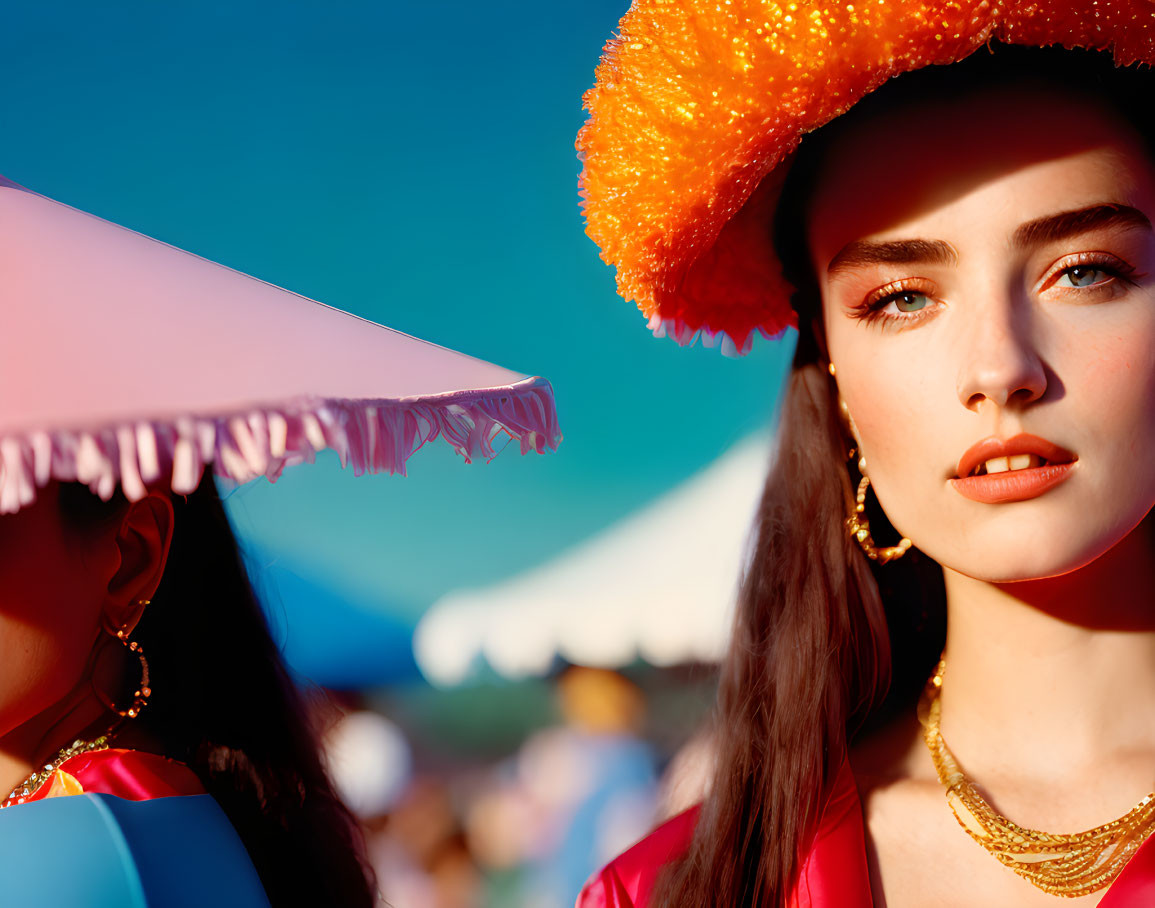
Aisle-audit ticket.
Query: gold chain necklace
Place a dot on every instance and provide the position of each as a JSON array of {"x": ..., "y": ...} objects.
[
  {"x": 29, "y": 786},
  {"x": 1064, "y": 865}
]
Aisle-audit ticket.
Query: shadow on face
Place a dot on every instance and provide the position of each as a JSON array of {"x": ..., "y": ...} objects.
[
  {"x": 894, "y": 169},
  {"x": 52, "y": 586}
]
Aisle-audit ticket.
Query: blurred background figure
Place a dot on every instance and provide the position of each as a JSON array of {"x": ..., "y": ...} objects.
[{"x": 594, "y": 775}]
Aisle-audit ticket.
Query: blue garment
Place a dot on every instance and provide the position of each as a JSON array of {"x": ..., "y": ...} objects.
[
  {"x": 621, "y": 773},
  {"x": 99, "y": 851}
]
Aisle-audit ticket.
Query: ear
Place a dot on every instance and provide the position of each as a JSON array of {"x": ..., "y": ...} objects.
[{"x": 142, "y": 542}]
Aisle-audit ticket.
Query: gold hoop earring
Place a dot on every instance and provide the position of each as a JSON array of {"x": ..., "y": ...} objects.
[
  {"x": 859, "y": 528},
  {"x": 143, "y": 691}
]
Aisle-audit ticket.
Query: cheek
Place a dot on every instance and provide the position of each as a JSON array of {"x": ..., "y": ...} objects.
[
  {"x": 39, "y": 665},
  {"x": 1109, "y": 385},
  {"x": 49, "y": 614},
  {"x": 1117, "y": 379},
  {"x": 902, "y": 412},
  {"x": 896, "y": 405}
]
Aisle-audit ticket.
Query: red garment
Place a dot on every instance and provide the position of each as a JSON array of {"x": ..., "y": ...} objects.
[
  {"x": 628, "y": 880},
  {"x": 834, "y": 873},
  {"x": 130, "y": 774}
]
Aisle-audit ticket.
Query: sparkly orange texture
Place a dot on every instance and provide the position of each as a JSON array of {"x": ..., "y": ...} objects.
[{"x": 697, "y": 101}]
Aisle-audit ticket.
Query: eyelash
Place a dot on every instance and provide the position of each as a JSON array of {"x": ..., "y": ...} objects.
[
  {"x": 1112, "y": 265},
  {"x": 871, "y": 309}
]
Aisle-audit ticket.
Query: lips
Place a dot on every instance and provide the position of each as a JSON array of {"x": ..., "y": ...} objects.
[
  {"x": 1014, "y": 469},
  {"x": 977, "y": 456}
]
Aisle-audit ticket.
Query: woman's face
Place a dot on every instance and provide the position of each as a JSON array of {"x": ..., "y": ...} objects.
[
  {"x": 986, "y": 274},
  {"x": 63, "y": 583}
]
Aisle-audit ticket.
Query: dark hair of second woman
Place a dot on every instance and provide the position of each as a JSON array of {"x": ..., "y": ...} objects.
[
  {"x": 826, "y": 644},
  {"x": 224, "y": 704}
]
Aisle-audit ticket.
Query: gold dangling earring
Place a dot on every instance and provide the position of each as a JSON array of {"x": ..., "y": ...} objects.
[
  {"x": 859, "y": 526},
  {"x": 143, "y": 691}
]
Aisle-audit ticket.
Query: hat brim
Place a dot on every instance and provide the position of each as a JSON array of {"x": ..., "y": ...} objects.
[{"x": 128, "y": 361}]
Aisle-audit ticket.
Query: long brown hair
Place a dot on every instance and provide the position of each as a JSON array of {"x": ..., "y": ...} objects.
[
  {"x": 810, "y": 660},
  {"x": 826, "y": 643}
]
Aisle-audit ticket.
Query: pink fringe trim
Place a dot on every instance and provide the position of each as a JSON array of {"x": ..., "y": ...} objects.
[{"x": 372, "y": 436}]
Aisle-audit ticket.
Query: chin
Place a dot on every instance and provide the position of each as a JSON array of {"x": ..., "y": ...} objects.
[
  {"x": 1034, "y": 553},
  {"x": 1015, "y": 567}
]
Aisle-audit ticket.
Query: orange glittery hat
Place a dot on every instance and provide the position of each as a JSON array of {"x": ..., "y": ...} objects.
[{"x": 697, "y": 102}]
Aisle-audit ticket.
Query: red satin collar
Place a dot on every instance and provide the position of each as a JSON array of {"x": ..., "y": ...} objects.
[
  {"x": 130, "y": 774},
  {"x": 834, "y": 873},
  {"x": 1135, "y": 886},
  {"x": 628, "y": 880}
]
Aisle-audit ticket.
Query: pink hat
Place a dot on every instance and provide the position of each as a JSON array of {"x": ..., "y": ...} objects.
[{"x": 128, "y": 361}]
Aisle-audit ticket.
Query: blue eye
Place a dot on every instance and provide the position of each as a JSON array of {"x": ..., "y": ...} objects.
[
  {"x": 1083, "y": 276},
  {"x": 898, "y": 304},
  {"x": 910, "y": 302}
]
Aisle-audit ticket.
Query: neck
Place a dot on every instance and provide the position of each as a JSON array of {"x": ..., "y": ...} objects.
[
  {"x": 1056, "y": 674},
  {"x": 25, "y": 749}
]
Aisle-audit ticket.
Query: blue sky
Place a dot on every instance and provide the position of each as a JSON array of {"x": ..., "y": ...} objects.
[{"x": 412, "y": 163}]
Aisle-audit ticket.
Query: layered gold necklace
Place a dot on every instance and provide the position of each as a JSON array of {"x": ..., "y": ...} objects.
[
  {"x": 30, "y": 785},
  {"x": 1064, "y": 865}
]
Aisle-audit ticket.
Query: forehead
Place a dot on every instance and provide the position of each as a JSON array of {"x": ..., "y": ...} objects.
[{"x": 984, "y": 163}]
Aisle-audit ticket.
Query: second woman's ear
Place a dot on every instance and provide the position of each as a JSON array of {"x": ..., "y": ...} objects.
[{"x": 142, "y": 542}]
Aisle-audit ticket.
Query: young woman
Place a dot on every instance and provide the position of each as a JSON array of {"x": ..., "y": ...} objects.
[
  {"x": 220, "y": 714},
  {"x": 962, "y": 471}
]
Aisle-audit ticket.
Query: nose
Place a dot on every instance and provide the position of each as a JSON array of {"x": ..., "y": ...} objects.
[{"x": 1000, "y": 362}]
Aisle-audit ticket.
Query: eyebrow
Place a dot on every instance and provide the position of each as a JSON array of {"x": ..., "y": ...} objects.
[
  {"x": 1049, "y": 229},
  {"x": 895, "y": 252},
  {"x": 1071, "y": 223}
]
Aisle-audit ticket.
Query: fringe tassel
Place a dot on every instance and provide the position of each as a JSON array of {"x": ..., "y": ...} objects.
[{"x": 372, "y": 436}]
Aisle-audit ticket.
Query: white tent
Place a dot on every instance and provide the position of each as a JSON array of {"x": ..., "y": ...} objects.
[{"x": 658, "y": 585}]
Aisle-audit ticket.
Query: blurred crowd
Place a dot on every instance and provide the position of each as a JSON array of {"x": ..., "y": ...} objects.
[{"x": 526, "y": 824}]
